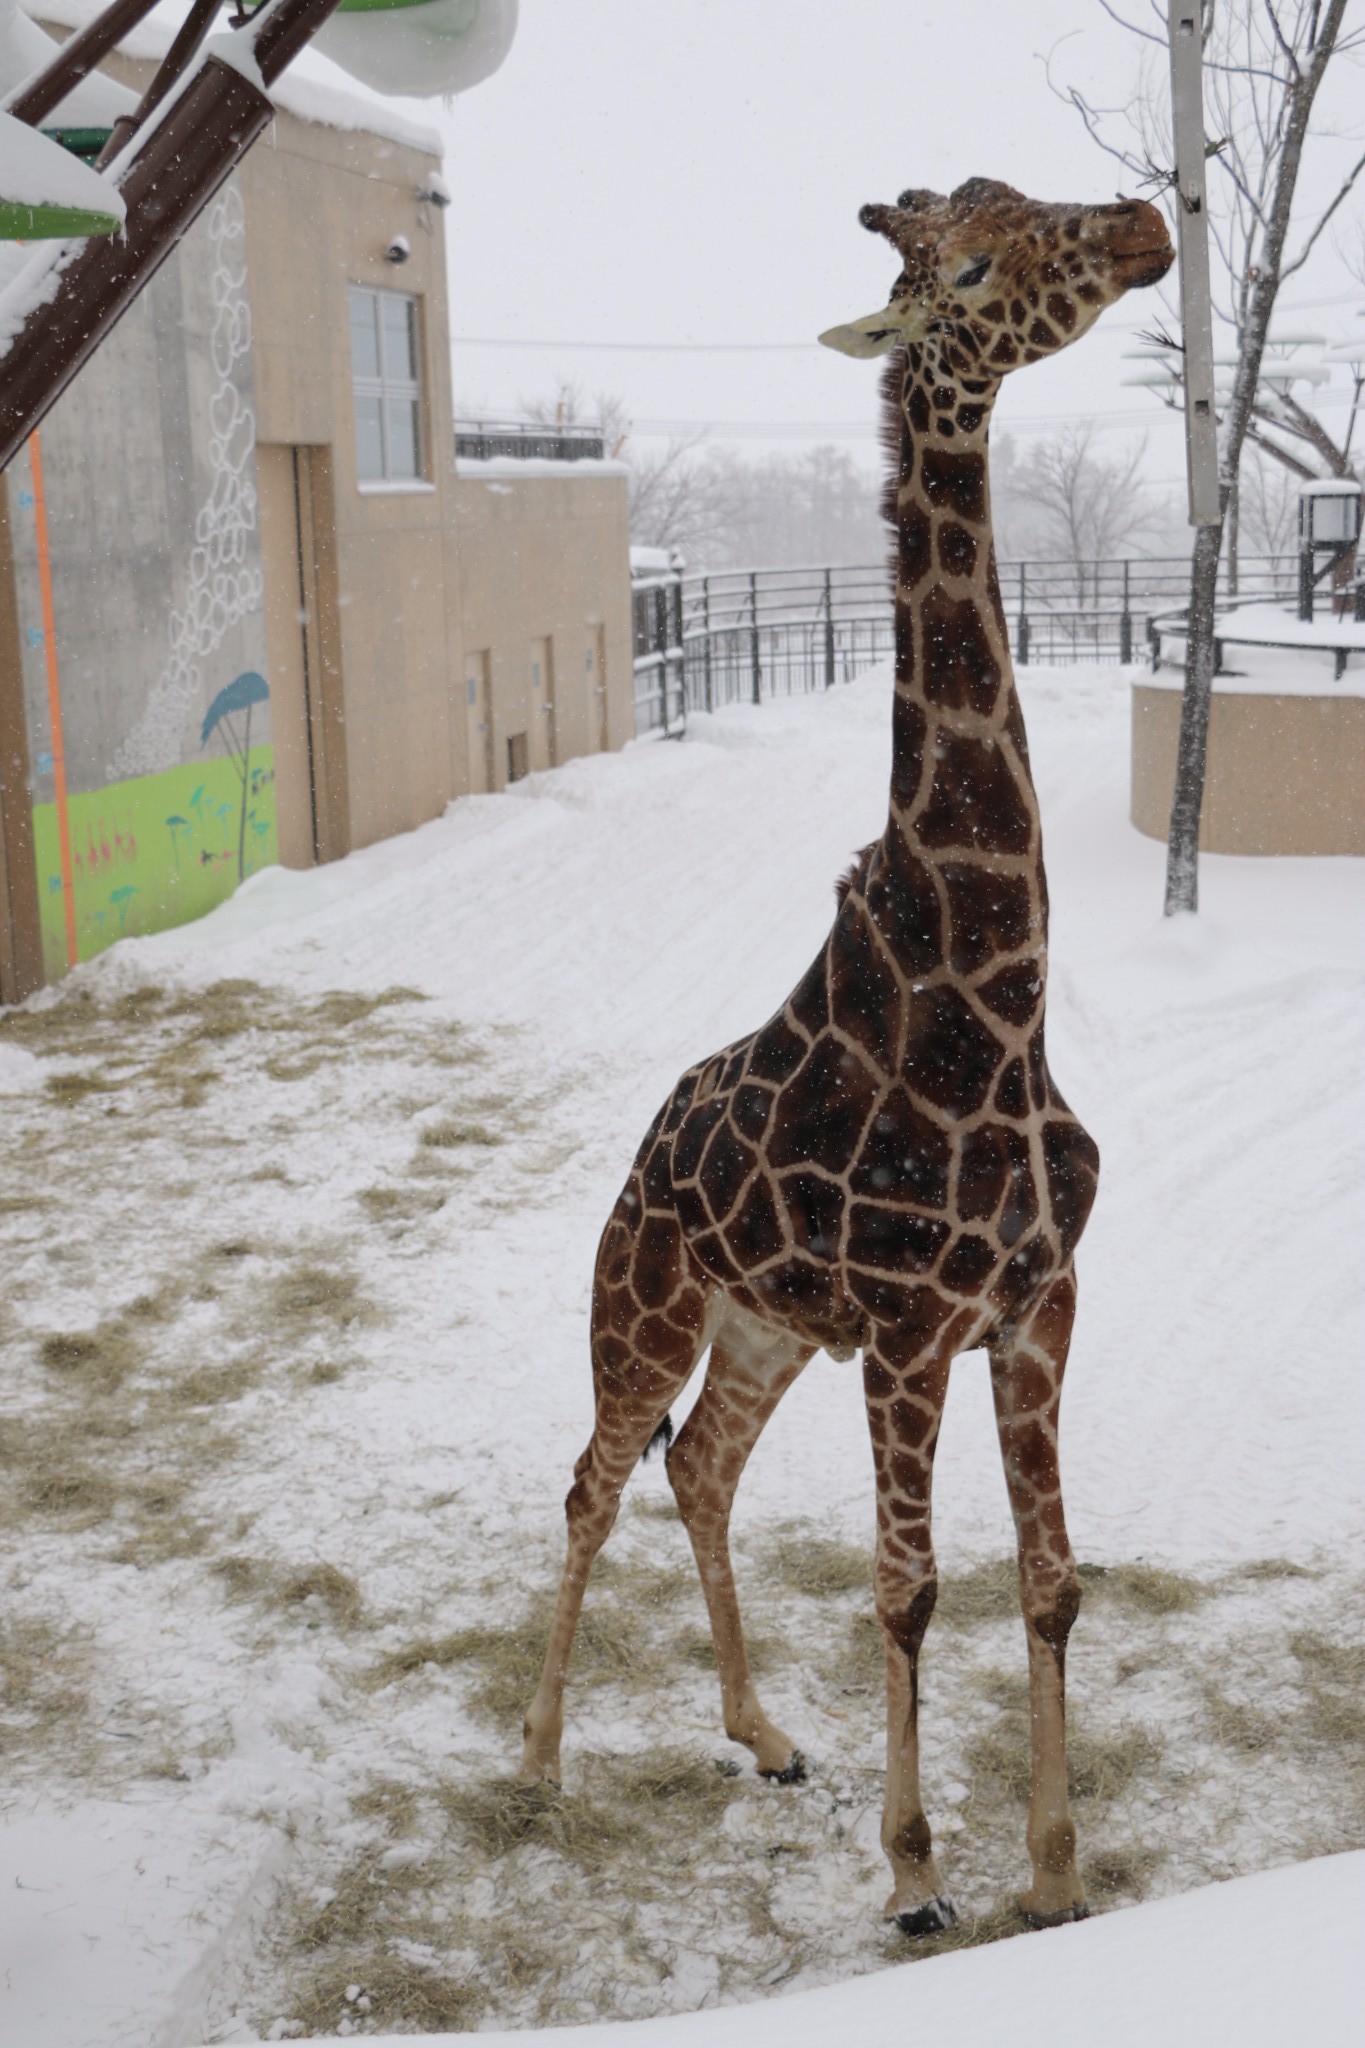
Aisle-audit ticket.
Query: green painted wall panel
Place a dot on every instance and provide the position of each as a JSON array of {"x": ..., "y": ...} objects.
[{"x": 153, "y": 851}]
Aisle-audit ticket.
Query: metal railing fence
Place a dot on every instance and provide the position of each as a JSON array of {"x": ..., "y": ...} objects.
[
  {"x": 526, "y": 441},
  {"x": 744, "y": 635}
]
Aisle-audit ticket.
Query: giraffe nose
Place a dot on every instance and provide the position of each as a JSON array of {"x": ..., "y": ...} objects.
[{"x": 1133, "y": 235}]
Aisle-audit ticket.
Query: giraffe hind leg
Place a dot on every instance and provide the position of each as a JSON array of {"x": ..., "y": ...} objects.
[
  {"x": 750, "y": 1369},
  {"x": 633, "y": 1388}
]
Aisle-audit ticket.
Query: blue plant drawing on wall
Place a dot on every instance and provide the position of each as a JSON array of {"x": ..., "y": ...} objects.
[{"x": 236, "y": 699}]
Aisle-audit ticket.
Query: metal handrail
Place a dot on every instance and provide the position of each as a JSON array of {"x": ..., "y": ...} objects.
[{"x": 526, "y": 441}]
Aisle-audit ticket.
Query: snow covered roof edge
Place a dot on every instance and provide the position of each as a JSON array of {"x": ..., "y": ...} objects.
[{"x": 311, "y": 99}]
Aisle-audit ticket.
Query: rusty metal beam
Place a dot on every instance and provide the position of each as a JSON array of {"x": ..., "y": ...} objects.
[{"x": 77, "y": 56}]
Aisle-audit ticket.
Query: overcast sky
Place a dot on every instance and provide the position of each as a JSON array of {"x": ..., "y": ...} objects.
[{"x": 658, "y": 174}]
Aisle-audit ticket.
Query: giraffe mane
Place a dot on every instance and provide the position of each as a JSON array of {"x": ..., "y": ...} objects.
[
  {"x": 893, "y": 444},
  {"x": 856, "y": 874}
]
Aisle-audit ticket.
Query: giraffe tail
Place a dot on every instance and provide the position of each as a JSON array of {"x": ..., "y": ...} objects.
[{"x": 661, "y": 1439}]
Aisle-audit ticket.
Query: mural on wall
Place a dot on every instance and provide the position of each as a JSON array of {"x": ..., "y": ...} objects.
[
  {"x": 167, "y": 799},
  {"x": 242, "y": 695},
  {"x": 225, "y": 585},
  {"x": 153, "y": 851}
]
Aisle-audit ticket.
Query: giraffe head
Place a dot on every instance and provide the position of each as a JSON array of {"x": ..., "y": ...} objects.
[{"x": 999, "y": 280}]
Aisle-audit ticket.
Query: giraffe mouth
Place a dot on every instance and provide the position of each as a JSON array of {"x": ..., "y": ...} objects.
[{"x": 1138, "y": 267}]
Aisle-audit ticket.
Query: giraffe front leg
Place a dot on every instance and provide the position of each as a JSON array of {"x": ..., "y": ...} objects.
[
  {"x": 1026, "y": 1381},
  {"x": 747, "y": 1377},
  {"x": 904, "y": 1408}
]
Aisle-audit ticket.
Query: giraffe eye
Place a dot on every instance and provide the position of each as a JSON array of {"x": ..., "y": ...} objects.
[{"x": 975, "y": 271}]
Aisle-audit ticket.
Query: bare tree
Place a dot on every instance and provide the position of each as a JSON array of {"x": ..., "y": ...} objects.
[
  {"x": 1084, "y": 505},
  {"x": 792, "y": 510},
  {"x": 569, "y": 406},
  {"x": 1270, "y": 504},
  {"x": 722, "y": 509},
  {"x": 1264, "y": 67},
  {"x": 671, "y": 503}
]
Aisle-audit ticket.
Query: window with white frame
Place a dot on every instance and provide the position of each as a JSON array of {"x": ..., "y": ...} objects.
[{"x": 388, "y": 392}]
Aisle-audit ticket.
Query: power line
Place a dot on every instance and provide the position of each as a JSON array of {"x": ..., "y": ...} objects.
[
  {"x": 733, "y": 348},
  {"x": 651, "y": 348},
  {"x": 868, "y": 429}
]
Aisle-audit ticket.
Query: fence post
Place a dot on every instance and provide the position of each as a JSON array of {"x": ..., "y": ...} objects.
[
  {"x": 679, "y": 662},
  {"x": 1125, "y": 623},
  {"x": 829, "y": 630},
  {"x": 754, "y": 660},
  {"x": 1023, "y": 615},
  {"x": 706, "y": 630}
]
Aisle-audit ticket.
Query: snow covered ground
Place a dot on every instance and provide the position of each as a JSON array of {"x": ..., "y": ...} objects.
[{"x": 298, "y": 1214}]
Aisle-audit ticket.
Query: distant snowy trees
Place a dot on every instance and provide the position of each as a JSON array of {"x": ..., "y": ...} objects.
[{"x": 1067, "y": 498}]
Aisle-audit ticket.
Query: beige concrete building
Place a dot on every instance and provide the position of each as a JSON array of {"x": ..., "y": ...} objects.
[{"x": 408, "y": 630}]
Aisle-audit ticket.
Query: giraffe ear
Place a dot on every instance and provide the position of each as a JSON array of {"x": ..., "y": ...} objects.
[{"x": 876, "y": 334}]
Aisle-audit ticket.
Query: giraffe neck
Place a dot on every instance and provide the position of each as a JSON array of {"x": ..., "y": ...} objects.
[{"x": 963, "y": 812}]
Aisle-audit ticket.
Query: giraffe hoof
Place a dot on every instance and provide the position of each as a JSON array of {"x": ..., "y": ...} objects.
[
  {"x": 930, "y": 1918},
  {"x": 1063, "y": 1918},
  {"x": 793, "y": 1771}
]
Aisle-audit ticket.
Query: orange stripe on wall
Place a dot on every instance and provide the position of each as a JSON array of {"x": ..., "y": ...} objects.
[{"x": 54, "y": 694}]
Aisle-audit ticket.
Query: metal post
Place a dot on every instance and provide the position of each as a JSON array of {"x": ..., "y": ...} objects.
[
  {"x": 1023, "y": 615},
  {"x": 1192, "y": 240},
  {"x": 1125, "y": 623},
  {"x": 829, "y": 630},
  {"x": 706, "y": 631},
  {"x": 754, "y": 661},
  {"x": 1305, "y": 583}
]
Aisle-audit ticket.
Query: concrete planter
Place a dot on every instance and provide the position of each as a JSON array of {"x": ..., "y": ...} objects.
[{"x": 1286, "y": 772}]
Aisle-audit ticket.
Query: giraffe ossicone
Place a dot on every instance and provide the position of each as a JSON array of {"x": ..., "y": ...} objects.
[{"x": 887, "y": 1165}]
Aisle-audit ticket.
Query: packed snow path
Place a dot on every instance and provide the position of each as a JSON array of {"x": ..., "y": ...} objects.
[{"x": 298, "y": 1219}]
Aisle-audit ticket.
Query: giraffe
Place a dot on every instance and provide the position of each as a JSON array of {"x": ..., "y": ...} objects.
[{"x": 887, "y": 1166}]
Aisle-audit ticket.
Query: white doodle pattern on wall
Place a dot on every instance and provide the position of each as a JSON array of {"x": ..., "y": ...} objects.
[{"x": 224, "y": 588}]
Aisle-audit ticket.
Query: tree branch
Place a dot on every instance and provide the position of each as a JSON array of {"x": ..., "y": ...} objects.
[
  {"x": 1344, "y": 193},
  {"x": 1291, "y": 462}
]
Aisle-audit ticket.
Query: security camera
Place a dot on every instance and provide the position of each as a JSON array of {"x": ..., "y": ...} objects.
[
  {"x": 399, "y": 250},
  {"x": 435, "y": 189}
]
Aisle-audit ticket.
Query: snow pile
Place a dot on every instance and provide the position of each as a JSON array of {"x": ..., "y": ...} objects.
[
  {"x": 1258, "y": 1962},
  {"x": 35, "y": 171},
  {"x": 19, "y": 1070},
  {"x": 300, "y": 90},
  {"x": 498, "y": 468},
  {"x": 437, "y": 46}
]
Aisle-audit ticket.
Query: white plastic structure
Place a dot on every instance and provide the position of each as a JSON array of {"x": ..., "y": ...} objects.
[
  {"x": 1192, "y": 236},
  {"x": 422, "y": 51}
]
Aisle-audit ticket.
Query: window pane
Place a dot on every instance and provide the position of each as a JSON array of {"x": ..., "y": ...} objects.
[
  {"x": 364, "y": 334},
  {"x": 400, "y": 355},
  {"x": 405, "y": 454},
  {"x": 369, "y": 443}
]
